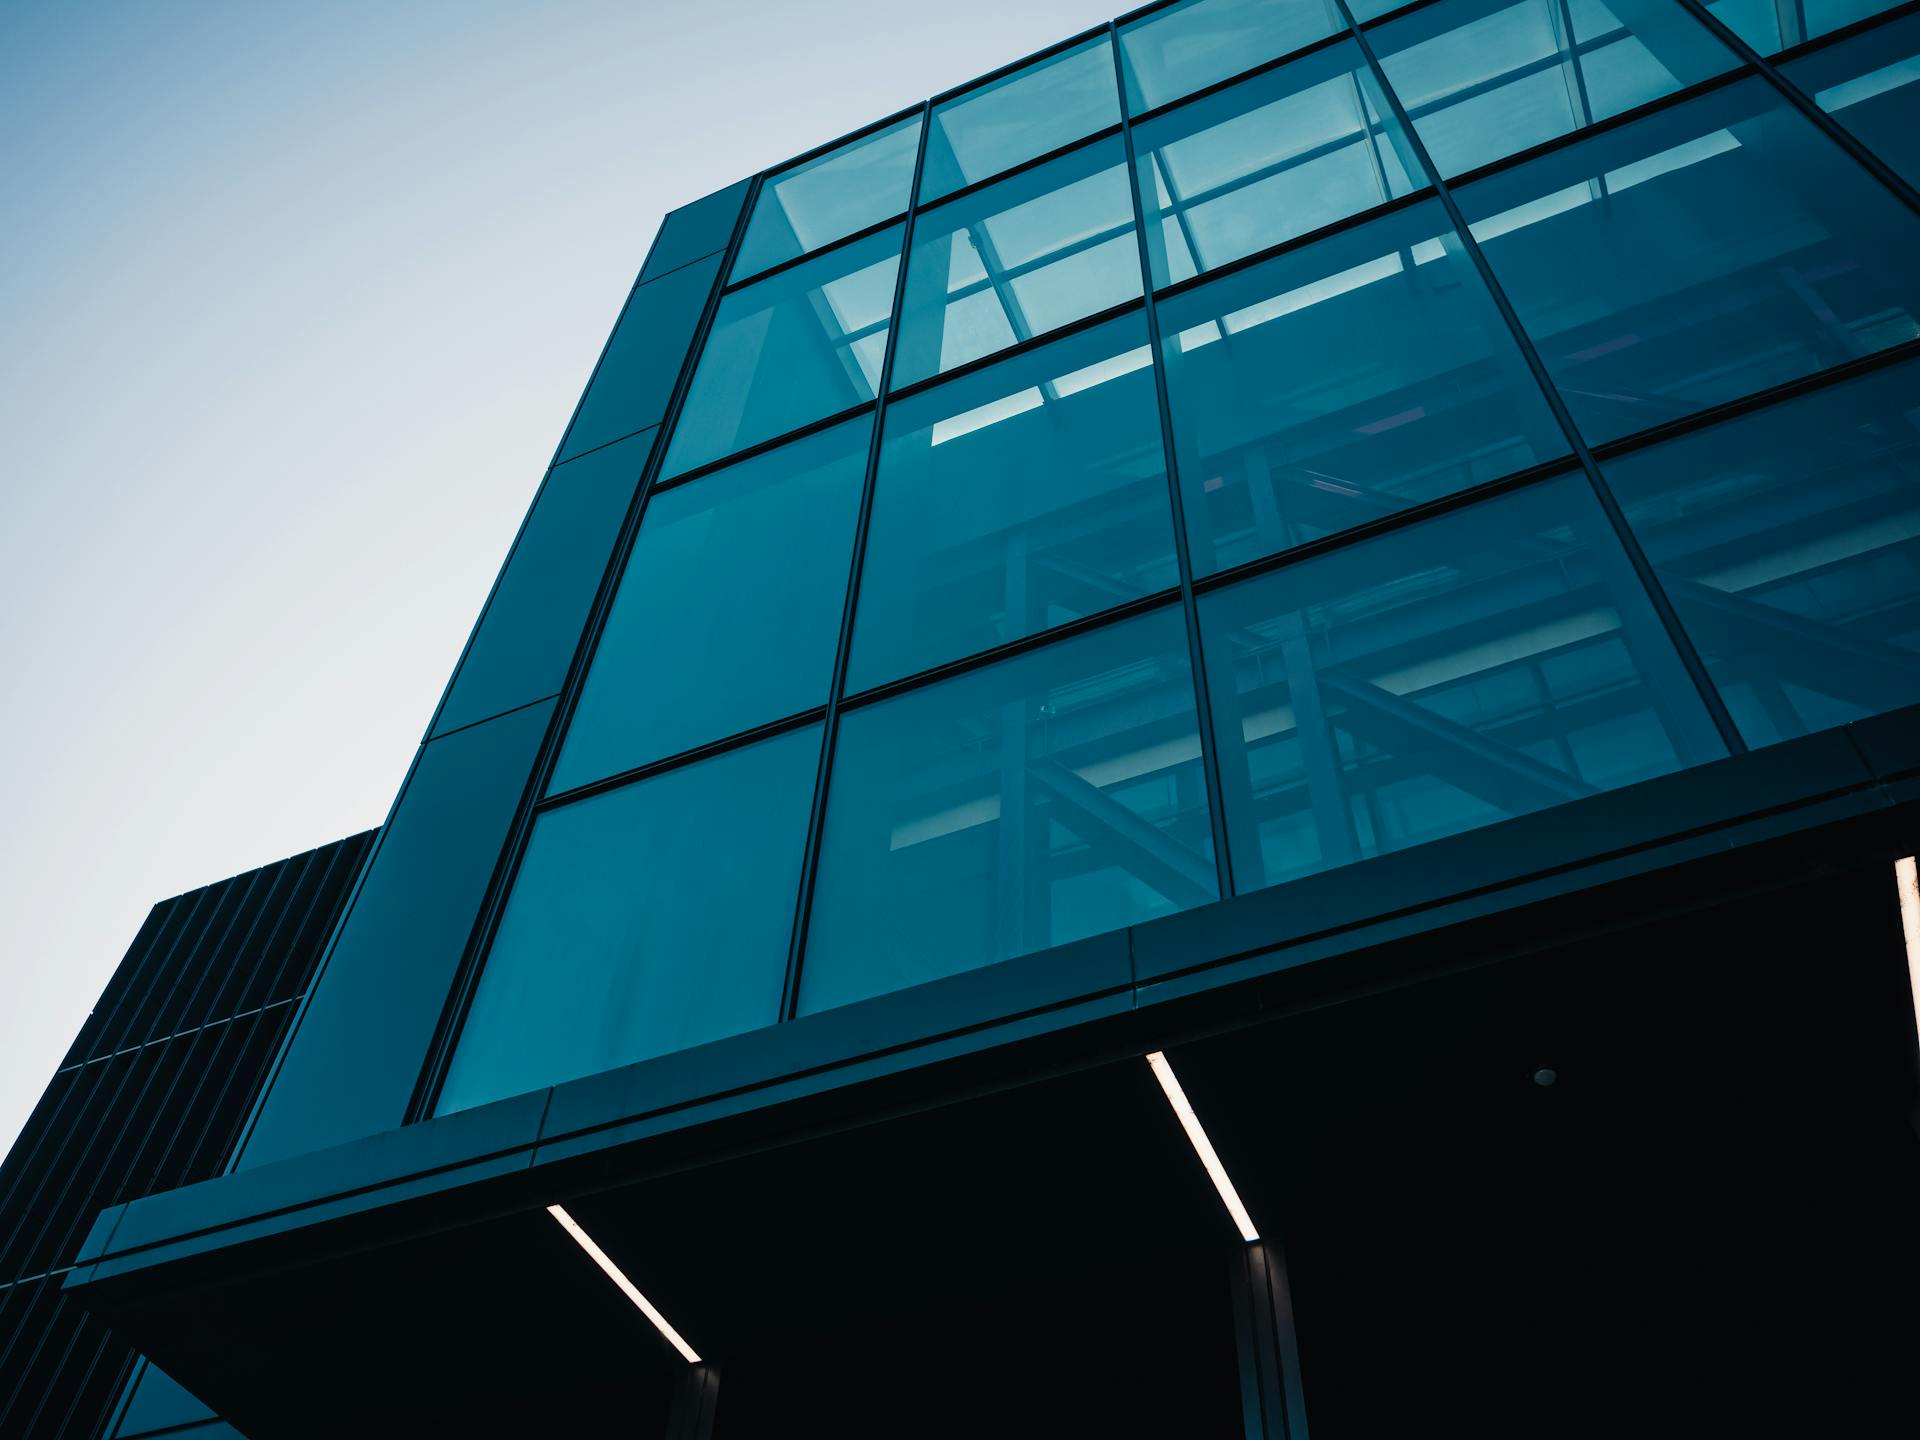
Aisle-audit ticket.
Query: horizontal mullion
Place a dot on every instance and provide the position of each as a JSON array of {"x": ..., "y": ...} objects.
[
  {"x": 794, "y": 262},
  {"x": 1001, "y": 72},
  {"x": 994, "y": 279},
  {"x": 761, "y": 447},
  {"x": 772, "y": 174},
  {"x": 1295, "y": 242},
  {"x": 1845, "y": 32},
  {"x": 1207, "y": 91},
  {"x": 706, "y": 750},
  {"x": 1018, "y": 348},
  {"x": 1032, "y": 162}
]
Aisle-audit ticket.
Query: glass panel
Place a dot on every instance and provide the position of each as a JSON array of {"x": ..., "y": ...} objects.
[
  {"x": 993, "y": 128},
  {"x": 860, "y": 184},
  {"x": 1342, "y": 382},
  {"x": 1033, "y": 253},
  {"x": 1483, "y": 78},
  {"x": 1771, "y": 25},
  {"x": 643, "y": 921},
  {"x": 1696, "y": 256},
  {"x": 788, "y": 350},
  {"x": 1275, "y": 156},
  {"x": 1493, "y": 661},
  {"x": 728, "y": 614},
  {"x": 1871, "y": 85},
  {"x": 1032, "y": 802},
  {"x": 1188, "y": 47},
  {"x": 1789, "y": 543},
  {"x": 1365, "y": 10},
  {"x": 1013, "y": 499}
]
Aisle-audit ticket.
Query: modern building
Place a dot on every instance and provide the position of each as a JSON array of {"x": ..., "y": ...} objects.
[{"x": 1212, "y": 738}]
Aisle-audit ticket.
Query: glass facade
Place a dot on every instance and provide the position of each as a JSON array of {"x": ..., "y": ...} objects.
[{"x": 1270, "y": 437}]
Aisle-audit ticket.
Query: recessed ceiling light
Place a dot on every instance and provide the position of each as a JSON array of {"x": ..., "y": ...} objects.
[{"x": 1190, "y": 1122}]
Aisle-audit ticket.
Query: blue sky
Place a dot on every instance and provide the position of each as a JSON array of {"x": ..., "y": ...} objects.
[{"x": 294, "y": 301}]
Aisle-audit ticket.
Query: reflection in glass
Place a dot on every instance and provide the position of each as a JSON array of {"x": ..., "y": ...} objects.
[
  {"x": 1871, "y": 85},
  {"x": 1184, "y": 48},
  {"x": 1014, "y": 499},
  {"x": 1341, "y": 382},
  {"x": 790, "y": 349},
  {"x": 1490, "y": 662},
  {"x": 643, "y": 921},
  {"x": 1028, "y": 255},
  {"x": 1273, "y": 157},
  {"x": 814, "y": 204},
  {"x": 729, "y": 610},
  {"x": 1789, "y": 543},
  {"x": 1483, "y": 78},
  {"x": 1696, "y": 256},
  {"x": 1773, "y": 25},
  {"x": 1032, "y": 802},
  {"x": 994, "y": 127}
]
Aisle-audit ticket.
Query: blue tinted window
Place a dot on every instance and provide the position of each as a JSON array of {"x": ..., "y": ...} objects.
[
  {"x": 1770, "y": 25},
  {"x": 1188, "y": 47},
  {"x": 811, "y": 205},
  {"x": 1789, "y": 543},
  {"x": 1484, "y": 78},
  {"x": 788, "y": 350},
  {"x": 1032, "y": 802},
  {"x": 1013, "y": 499},
  {"x": 1695, "y": 256},
  {"x": 1339, "y": 383},
  {"x": 1365, "y": 10},
  {"x": 1488, "y": 663},
  {"x": 1871, "y": 85},
  {"x": 643, "y": 921},
  {"x": 994, "y": 127},
  {"x": 729, "y": 611},
  {"x": 1018, "y": 259},
  {"x": 1273, "y": 157}
]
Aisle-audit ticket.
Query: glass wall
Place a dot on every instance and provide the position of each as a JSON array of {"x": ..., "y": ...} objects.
[{"x": 1190, "y": 351}]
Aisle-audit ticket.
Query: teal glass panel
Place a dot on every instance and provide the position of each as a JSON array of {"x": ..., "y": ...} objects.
[
  {"x": 814, "y": 204},
  {"x": 1483, "y": 78},
  {"x": 788, "y": 350},
  {"x": 1871, "y": 85},
  {"x": 1184, "y": 48},
  {"x": 729, "y": 611},
  {"x": 1695, "y": 256},
  {"x": 1273, "y": 157},
  {"x": 1013, "y": 499},
  {"x": 1341, "y": 382},
  {"x": 643, "y": 921},
  {"x": 994, "y": 127},
  {"x": 1037, "y": 251},
  {"x": 634, "y": 380},
  {"x": 1789, "y": 544},
  {"x": 1487, "y": 663},
  {"x": 1031, "y": 802},
  {"x": 1773, "y": 25}
]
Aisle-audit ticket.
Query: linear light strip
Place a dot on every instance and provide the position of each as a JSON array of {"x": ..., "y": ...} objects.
[
  {"x": 632, "y": 1291},
  {"x": 1906, "y": 876},
  {"x": 1190, "y": 1122}
]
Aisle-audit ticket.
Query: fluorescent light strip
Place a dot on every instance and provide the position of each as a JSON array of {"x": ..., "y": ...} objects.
[
  {"x": 1906, "y": 876},
  {"x": 632, "y": 1292},
  {"x": 1190, "y": 1122}
]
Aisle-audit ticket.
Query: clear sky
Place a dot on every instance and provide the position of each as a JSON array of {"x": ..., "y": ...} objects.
[{"x": 294, "y": 302}]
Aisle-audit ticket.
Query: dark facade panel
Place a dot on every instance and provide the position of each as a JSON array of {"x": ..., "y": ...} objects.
[{"x": 695, "y": 231}]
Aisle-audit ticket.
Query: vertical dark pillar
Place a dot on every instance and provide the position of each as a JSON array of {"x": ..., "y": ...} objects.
[
  {"x": 1272, "y": 1401},
  {"x": 695, "y": 1399}
]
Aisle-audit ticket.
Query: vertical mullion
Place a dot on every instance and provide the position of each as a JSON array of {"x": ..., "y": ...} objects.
[
  {"x": 1202, "y": 696},
  {"x": 830, "y": 725},
  {"x": 1616, "y": 518}
]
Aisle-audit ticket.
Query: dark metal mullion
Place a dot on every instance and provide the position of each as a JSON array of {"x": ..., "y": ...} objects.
[
  {"x": 1616, "y": 518},
  {"x": 693, "y": 754},
  {"x": 1202, "y": 697},
  {"x": 1806, "y": 105},
  {"x": 995, "y": 277},
  {"x": 830, "y": 722},
  {"x": 1020, "y": 167},
  {"x": 819, "y": 252},
  {"x": 1010, "y": 352}
]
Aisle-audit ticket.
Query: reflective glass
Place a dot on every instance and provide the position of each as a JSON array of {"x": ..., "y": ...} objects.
[
  {"x": 1483, "y": 78},
  {"x": 1789, "y": 543},
  {"x": 643, "y": 921},
  {"x": 1188, "y": 47},
  {"x": 1033, "y": 253},
  {"x": 1022, "y": 805},
  {"x": 1013, "y": 499},
  {"x": 1273, "y": 157},
  {"x": 1698, "y": 255},
  {"x": 1871, "y": 85},
  {"x": 995, "y": 126},
  {"x": 728, "y": 614},
  {"x": 1365, "y": 10},
  {"x": 1771, "y": 25},
  {"x": 1490, "y": 662},
  {"x": 788, "y": 350},
  {"x": 860, "y": 184},
  {"x": 1341, "y": 382}
]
